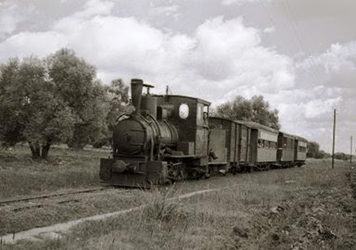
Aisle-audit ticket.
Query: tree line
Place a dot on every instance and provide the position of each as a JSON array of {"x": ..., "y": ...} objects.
[
  {"x": 57, "y": 99},
  {"x": 314, "y": 151}
]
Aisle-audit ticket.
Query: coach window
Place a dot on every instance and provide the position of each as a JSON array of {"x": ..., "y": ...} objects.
[{"x": 183, "y": 111}]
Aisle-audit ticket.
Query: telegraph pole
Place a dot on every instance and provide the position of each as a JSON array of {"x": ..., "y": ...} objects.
[
  {"x": 351, "y": 152},
  {"x": 333, "y": 152}
]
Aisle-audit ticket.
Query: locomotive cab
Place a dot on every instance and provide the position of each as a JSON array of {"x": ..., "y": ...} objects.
[{"x": 189, "y": 116}]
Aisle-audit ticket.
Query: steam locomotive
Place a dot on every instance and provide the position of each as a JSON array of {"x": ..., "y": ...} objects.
[{"x": 164, "y": 138}]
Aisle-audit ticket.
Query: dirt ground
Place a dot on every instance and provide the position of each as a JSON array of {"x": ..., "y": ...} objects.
[{"x": 312, "y": 207}]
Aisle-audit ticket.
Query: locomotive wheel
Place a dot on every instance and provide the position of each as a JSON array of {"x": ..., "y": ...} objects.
[
  {"x": 234, "y": 170},
  {"x": 182, "y": 175},
  {"x": 168, "y": 182},
  {"x": 207, "y": 175},
  {"x": 194, "y": 175}
]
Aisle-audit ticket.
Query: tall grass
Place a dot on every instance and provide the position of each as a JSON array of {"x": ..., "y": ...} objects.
[
  {"x": 161, "y": 204},
  {"x": 301, "y": 208},
  {"x": 20, "y": 175}
]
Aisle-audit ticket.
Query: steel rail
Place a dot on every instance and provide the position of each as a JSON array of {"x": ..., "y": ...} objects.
[{"x": 38, "y": 197}]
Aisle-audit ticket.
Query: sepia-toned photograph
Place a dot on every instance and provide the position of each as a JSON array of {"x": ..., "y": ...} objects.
[{"x": 177, "y": 124}]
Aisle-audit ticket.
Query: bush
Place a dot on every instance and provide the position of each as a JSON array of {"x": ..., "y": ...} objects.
[
  {"x": 342, "y": 156},
  {"x": 162, "y": 205}
]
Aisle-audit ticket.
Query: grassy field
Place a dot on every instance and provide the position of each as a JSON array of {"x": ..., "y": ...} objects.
[
  {"x": 301, "y": 208},
  {"x": 65, "y": 169}
]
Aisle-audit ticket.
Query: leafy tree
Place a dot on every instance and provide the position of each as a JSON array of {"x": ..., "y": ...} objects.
[
  {"x": 322, "y": 154},
  {"x": 48, "y": 101},
  {"x": 239, "y": 109},
  {"x": 29, "y": 110},
  {"x": 313, "y": 149},
  {"x": 342, "y": 156},
  {"x": 10, "y": 127},
  {"x": 315, "y": 152},
  {"x": 75, "y": 83},
  {"x": 256, "y": 109},
  {"x": 117, "y": 97}
]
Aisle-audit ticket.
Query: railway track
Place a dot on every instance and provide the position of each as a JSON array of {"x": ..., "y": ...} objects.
[
  {"x": 45, "y": 196},
  {"x": 56, "y": 231}
]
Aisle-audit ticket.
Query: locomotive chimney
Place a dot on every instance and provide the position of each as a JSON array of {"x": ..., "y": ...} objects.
[{"x": 136, "y": 93}]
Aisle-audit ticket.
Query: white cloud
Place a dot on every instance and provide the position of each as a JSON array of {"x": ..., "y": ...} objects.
[
  {"x": 166, "y": 10},
  {"x": 319, "y": 107},
  {"x": 335, "y": 59},
  {"x": 222, "y": 54},
  {"x": 221, "y": 59},
  {"x": 95, "y": 8},
  {"x": 25, "y": 44},
  {"x": 327, "y": 83},
  {"x": 271, "y": 29},
  {"x": 229, "y": 57},
  {"x": 10, "y": 16},
  {"x": 232, "y": 2}
]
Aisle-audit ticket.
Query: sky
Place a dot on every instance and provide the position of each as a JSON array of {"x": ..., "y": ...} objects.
[{"x": 299, "y": 54}]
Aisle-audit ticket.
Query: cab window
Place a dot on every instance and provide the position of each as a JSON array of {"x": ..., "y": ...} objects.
[
  {"x": 183, "y": 111},
  {"x": 202, "y": 114}
]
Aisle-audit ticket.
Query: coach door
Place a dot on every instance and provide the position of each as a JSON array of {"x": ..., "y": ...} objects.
[
  {"x": 243, "y": 144},
  {"x": 296, "y": 142},
  {"x": 280, "y": 147},
  {"x": 253, "y": 145}
]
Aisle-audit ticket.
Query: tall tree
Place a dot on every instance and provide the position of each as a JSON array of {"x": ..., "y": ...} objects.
[
  {"x": 313, "y": 149},
  {"x": 239, "y": 109},
  {"x": 10, "y": 116},
  {"x": 262, "y": 113},
  {"x": 118, "y": 97},
  {"x": 75, "y": 83},
  {"x": 54, "y": 100},
  {"x": 256, "y": 109},
  {"x": 29, "y": 110}
]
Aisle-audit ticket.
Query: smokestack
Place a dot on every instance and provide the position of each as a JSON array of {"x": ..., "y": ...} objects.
[{"x": 136, "y": 93}]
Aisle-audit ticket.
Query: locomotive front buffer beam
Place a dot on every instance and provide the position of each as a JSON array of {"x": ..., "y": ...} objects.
[{"x": 141, "y": 174}]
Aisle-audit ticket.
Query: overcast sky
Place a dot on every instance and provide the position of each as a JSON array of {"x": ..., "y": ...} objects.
[{"x": 299, "y": 54}]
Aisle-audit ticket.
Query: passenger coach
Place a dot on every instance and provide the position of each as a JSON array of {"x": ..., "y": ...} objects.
[{"x": 263, "y": 149}]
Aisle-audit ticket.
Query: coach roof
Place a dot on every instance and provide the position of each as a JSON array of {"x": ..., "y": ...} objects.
[{"x": 256, "y": 125}]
